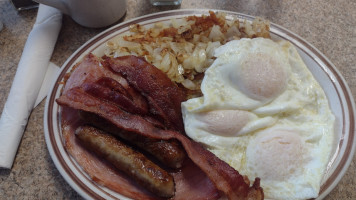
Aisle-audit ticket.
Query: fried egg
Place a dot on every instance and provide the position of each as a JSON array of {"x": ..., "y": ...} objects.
[{"x": 263, "y": 113}]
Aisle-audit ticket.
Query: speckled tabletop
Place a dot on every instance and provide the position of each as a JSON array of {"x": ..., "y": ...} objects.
[{"x": 327, "y": 24}]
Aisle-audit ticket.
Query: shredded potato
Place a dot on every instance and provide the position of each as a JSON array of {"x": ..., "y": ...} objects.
[{"x": 184, "y": 48}]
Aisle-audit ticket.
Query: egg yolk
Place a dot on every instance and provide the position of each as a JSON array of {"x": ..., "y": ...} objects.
[
  {"x": 224, "y": 122},
  {"x": 275, "y": 155},
  {"x": 261, "y": 76}
]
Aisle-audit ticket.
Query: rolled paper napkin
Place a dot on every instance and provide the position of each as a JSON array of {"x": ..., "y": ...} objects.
[{"x": 28, "y": 80}]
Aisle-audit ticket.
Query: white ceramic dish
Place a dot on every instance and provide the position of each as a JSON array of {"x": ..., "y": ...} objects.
[{"x": 334, "y": 85}]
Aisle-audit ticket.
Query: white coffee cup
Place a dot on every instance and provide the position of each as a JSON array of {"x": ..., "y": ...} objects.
[{"x": 90, "y": 13}]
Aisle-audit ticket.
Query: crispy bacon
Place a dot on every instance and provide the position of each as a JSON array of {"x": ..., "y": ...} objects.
[
  {"x": 117, "y": 87},
  {"x": 224, "y": 177},
  {"x": 164, "y": 97},
  {"x": 123, "y": 100},
  {"x": 89, "y": 71},
  {"x": 127, "y": 91}
]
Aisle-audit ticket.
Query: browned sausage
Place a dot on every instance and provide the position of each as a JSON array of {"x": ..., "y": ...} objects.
[
  {"x": 170, "y": 153},
  {"x": 133, "y": 163}
]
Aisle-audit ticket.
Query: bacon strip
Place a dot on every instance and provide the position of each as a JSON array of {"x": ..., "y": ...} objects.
[
  {"x": 192, "y": 183},
  {"x": 115, "y": 86},
  {"x": 224, "y": 177},
  {"x": 136, "y": 98},
  {"x": 124, "y": 102},
  {"x": 164, "y": 97},
  {"x": 89, "y": 71}
]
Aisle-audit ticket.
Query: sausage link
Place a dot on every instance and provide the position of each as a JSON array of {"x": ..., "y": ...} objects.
[
  {"x": 170, "y": 153},
  {"x": 133, "y": 163}
]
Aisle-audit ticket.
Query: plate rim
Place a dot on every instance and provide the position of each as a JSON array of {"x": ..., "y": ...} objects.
[{"x": 298, "y": 41}]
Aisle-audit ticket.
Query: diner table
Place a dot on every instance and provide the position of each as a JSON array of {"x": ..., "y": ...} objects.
[{"x": 328, "y": 25}]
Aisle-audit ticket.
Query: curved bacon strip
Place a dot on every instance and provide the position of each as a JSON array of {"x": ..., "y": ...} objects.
[
  {"x": 163, "y": 96},
  {"x": 107, "y": 84},
  {"x": 114, "y": 85},
  {"x": 89, "y": 71},
  {"x": 225, "y": 178},
  {"x": 136, "y": 98},
  {"x": 124, "y": 102}
]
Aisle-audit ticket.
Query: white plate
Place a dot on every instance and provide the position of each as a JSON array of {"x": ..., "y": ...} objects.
[{"x": 330, "y": 79}]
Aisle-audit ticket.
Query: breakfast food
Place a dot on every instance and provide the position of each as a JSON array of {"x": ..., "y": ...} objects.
[
  {"x": 184, "y": 48},
  {"x": 173, "y": 155},
  {"x": 213, "y": 174},
  {"x": 250, "y": 106},
  {"x": 132, "y": 162},
  {"x": 163, "y": 97},
  {"x": 264, "y": 114}
]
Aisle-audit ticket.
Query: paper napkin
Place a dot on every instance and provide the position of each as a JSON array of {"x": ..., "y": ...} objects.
[{"x": 28, "y": 80}]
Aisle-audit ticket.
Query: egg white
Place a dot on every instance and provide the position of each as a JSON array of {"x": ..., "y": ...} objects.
[
  {"x": 299, "y": 107},
  {"x": 225, "y": 81}
]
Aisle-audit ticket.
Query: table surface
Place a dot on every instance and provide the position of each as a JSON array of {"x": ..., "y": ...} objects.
[{"x": 327, "y": 24}]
